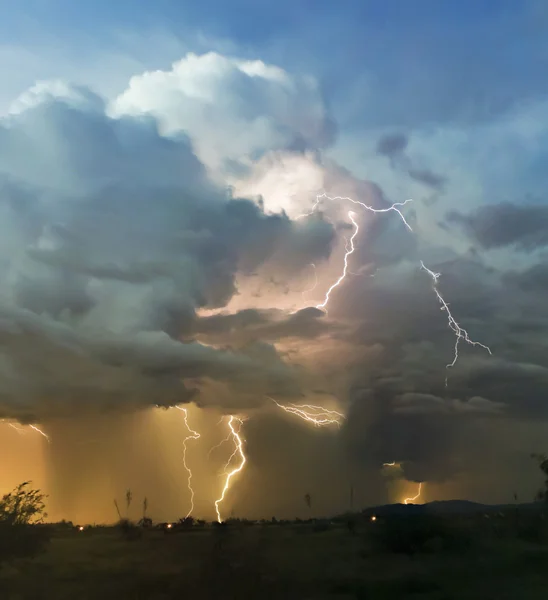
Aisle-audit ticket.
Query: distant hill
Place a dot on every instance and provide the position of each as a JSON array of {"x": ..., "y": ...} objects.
[{"x": 448, "y": 507}]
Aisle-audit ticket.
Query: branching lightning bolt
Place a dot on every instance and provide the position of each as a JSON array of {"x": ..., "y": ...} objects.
[
  {"x": 349, "y": 245},
  {"x": 193, "y": 435},
  {"x": 317, "y": 415},
  {"x": 238, "y": 449},
  {"x": 349, "y": 250},
  {"x": 227, "y": 438},
  {"x": 419, "y": 492},
  {"x": 460, "y": 333}
]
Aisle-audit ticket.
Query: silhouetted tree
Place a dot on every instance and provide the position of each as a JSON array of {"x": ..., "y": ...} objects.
[{"x": 542, "y": 460}]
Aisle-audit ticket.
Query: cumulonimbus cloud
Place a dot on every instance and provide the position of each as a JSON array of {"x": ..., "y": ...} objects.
[{"x": 113, "y": 236}]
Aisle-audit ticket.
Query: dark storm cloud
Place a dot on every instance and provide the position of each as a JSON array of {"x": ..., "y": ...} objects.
[
  {"x": 533, "y": 279},
  {"x": 112, "y": 237},
  {"x": 393, "y": 146},
  {"x": 427, "y": 177},
  {"x": 51, "y": 369},
  {"x": 256, "y": 324},
  {"x": 498, "y": 225},
  {"x": 418, "y": 403},
  {"x": 399, "y": 406}
]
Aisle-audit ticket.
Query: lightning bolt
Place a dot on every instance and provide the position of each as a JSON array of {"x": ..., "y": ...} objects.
[
  {"x": 21, "y": 430},
  {"x": 409, "y": 500},
  {"x": 238, "y": 449},
  {"x": 460, "y": 333},
  {"x": 317, "y": 415},
  {"x": 349, "y": 251},
  {"x": 349, "y": 245},
  {"x": 193, "y": 435},
  {"x": 42, "y": 433},
  {"x": 391, "y": 464},
  {"x": 227, "y": 438}
]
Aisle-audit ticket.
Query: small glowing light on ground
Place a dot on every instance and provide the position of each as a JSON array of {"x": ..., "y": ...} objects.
[
  {"x": 80, "y": 528},
  {"x": 373, "y": 518}
]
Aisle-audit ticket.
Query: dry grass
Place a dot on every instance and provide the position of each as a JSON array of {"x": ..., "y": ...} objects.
[{"x": 286, "y": 562}]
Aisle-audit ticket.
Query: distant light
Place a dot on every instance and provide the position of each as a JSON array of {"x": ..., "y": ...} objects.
[
  {"x": 169, "y": 525},
  {"x": 80, "y": 528},
  {"x": 373, "y": 518}
]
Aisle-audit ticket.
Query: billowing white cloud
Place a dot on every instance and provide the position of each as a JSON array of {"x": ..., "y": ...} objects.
[{"x": 233, "y": 110}]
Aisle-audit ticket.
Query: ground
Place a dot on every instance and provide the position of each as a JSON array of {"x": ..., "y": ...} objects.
[{"x": 292, "y": 561}]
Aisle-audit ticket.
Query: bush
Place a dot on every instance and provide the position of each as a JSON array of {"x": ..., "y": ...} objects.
[
  {"x": 532, "y": 528},
  {"x": 21, "y": 533},
  {"x": 409, "y": 535},
  {"x": 129, "y": 530}
]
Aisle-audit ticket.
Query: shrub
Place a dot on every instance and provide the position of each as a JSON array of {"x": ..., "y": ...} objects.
[
  {"x": 21, "y": 533},
  {"x": 129, "y": 530},
  {"x": 409, "y": 535}
]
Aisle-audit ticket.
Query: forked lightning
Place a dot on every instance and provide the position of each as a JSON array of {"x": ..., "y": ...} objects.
[{"x": 238, "y": 449}]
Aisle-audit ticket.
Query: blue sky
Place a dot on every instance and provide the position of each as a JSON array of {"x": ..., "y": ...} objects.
[{"x": 405, "y": 62}]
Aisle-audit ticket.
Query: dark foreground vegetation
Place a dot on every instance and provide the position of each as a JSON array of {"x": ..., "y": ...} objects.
[
  {"x": 400, "y": 556},
  {"x": 439, "y": 551}
]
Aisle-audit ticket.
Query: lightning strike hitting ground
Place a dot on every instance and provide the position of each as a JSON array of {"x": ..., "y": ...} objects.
[
  {"x": 317, "y": 415},
  {"x": 460, "y": 333},
  {"x": 194, "y": 435},
  {"x": 410, "y": 500},
  {"x": 238, "y": 449}
]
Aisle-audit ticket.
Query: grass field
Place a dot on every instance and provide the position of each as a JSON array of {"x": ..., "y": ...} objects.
[{"x": 305, "y": 561}]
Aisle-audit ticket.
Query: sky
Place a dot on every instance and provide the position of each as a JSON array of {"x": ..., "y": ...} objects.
[{"x": 164, "y": 241}]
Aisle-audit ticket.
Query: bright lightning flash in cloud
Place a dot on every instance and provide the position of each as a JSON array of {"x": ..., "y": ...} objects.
[
  {"x": 238, "y": 449},
  {"x": 193, "y": 435},
  {"x": 317, "y": 415},
  {"x": 419, "y": 492}
]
